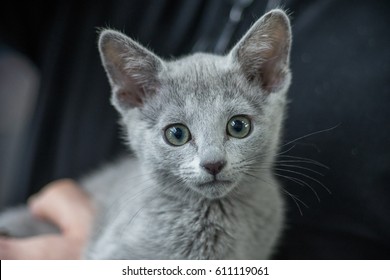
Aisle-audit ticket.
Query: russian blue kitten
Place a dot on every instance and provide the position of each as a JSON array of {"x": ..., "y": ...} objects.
[{"x": 205, "y": 131}]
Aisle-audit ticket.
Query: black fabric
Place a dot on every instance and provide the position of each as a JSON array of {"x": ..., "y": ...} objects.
[
  {"x": 341, "y": 77},
  {"x": 340, "y": 62}
]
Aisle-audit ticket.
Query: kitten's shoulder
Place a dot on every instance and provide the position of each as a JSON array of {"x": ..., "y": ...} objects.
[{"x": 124, "y": 172}]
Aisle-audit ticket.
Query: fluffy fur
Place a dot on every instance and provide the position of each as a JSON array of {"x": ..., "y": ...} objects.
[{"x": 163, "y": 203}]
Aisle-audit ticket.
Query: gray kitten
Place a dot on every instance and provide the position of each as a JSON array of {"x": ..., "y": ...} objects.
[{"x": 205, "y": 131}]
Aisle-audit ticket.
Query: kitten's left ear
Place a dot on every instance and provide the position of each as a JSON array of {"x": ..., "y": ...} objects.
[
  {"x": 132, "y": 69},
  {"x": 263, "y": 53}
]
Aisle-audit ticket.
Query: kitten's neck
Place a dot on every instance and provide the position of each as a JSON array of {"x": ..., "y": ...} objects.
[{"x": 206, "y": 228}]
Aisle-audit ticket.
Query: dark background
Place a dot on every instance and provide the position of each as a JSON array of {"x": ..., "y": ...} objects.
[{"x": 62, "y": 124}]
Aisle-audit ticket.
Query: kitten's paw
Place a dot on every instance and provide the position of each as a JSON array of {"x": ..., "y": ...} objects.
[{"x": 19, "y": 222}]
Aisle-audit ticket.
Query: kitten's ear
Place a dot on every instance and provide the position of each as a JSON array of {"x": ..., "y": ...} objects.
[
  {"x": 132, "y": 70},
  {"x": 263, "y": 53}
]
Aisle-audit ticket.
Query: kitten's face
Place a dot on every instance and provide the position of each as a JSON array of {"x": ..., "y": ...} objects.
[
  {"x": 205, "y": 124},
  {"x": 206, "y": 134}
]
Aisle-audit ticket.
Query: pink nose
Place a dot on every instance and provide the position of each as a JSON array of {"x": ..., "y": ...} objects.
[{"x": 214, "y": 167}]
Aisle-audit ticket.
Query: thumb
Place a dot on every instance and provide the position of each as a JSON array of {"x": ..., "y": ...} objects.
[{"x": 64, "y": 204}]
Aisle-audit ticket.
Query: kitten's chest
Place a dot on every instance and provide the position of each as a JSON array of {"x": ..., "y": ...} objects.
[{"x": 207, "y": 230}]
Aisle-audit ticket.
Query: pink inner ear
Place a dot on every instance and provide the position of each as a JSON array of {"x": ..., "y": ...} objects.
[
  {"x": 129, "y": 99},
  {"x": 272, "y": 76},
  {"x": 265, "y": 65}
]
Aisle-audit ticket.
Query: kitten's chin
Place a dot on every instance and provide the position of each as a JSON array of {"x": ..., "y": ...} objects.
[{"x": 214, "y": 189}]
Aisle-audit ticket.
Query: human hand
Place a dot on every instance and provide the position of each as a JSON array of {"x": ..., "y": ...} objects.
[{"x": 67, "y": 206}]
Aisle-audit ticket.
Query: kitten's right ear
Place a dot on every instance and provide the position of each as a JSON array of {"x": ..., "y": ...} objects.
[{"x": 132, "y": 70}]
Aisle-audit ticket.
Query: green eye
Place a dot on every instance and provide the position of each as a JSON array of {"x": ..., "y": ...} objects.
[
  {"x": 177, "y": 134},
  {"x": 239, "y": 126}
]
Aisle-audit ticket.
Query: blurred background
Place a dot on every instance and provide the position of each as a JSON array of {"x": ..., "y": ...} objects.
[{"x": 56, "y": 120}]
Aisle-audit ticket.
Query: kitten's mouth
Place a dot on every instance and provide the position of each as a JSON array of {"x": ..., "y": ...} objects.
[
  {"x": 215, "y": 189},
  {"x": 215, "y": 183}
]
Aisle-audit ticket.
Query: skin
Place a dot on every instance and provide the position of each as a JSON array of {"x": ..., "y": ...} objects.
[{"x": 63, "y": 203}]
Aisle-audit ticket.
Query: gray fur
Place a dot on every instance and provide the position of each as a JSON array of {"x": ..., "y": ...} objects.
[{"x": 161, "y": 204}]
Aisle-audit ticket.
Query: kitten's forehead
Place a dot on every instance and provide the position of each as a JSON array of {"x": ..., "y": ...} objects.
[
  {"x": 201, "y": 90},
  {"x": 201, "y": 75},
  {"x": 205, "y": 86}
]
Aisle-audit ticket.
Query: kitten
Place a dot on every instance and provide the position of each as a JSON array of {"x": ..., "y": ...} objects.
[{"x": 205, "y": 131}]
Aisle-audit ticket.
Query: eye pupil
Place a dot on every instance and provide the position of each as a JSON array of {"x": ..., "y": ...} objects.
[
  {"x": 237, "y": 125},
  {"x": 177, "y": 132}
]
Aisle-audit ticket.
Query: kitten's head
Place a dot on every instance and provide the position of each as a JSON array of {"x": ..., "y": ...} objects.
[{"x": 203, "y": 123}]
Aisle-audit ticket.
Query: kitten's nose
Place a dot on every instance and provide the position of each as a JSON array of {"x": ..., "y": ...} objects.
[{"x": 213, "y": 167}]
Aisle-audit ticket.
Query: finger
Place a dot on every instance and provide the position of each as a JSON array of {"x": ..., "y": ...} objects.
[
  {"x": 48, "y": 247},
  {"x": 65, "y": 204}
]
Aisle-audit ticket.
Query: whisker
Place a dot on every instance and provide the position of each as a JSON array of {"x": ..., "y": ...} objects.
[
  {"x": 286, "y": 151},
  {"x": 311, "y": 134},
  {"x": 307, "y": 160},
  {"x": 296, "y": 200},
  {"x": 126, "y": 225},
  {"x": 293, "y": 197},
  {"x": 300, "y": 182},
  {"x": 293, "y": 179},
  {"x": 305, "y": 175},
  {"x": 301, "y": 167}
]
